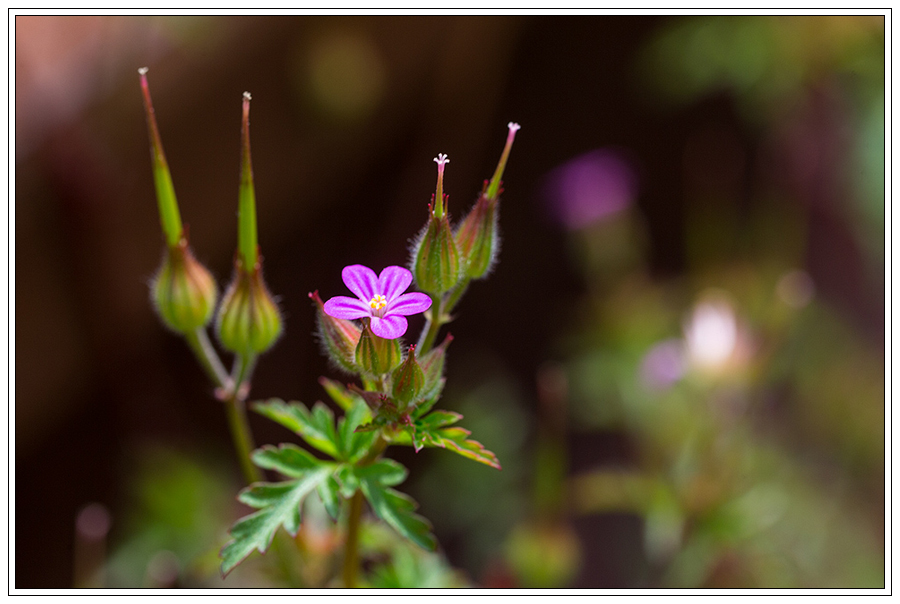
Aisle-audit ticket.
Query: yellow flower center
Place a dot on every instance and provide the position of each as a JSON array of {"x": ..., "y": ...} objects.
[{"x": 378, "y": 302}]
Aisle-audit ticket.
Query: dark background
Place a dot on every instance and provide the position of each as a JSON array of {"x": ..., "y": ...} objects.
[{"x": 95, "y": 373}]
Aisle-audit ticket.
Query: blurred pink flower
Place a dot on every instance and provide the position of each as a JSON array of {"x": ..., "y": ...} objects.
[
  {"x": 663, "y": 365},
  {"x": 590, "y": 188}
]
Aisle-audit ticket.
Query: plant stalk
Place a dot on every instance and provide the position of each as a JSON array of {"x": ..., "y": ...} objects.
[
  {"x": 432, "y": 326},
  {"x": 351, "y": 544},
  {"x": 243, "y": 439},
  {"x": 207, "y": 357}
]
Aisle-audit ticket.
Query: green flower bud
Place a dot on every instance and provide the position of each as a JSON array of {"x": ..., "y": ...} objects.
[
  {"x": 184, "y": 292},
  {"x": 408, "y": 379},
  {"x": 249, "y": 321},
  {"x": 339, "y": 337},
  {"x": 435, "y": 258},
  {"x": 476, "y": 238},
  {"x": 377, "y": 356},
  {"x": 433, "y": 369}
]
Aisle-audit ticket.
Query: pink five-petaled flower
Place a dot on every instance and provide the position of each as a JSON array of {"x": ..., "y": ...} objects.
[{"x": 380, "y": 298}]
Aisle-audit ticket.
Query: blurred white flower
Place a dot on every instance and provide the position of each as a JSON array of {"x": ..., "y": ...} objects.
[{"x": 711, "y": 333}]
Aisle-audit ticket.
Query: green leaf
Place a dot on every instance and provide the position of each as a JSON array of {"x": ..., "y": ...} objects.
[
  {"x": 436, "y": 430},
  {"x": 417, "y": 438},
  {"x": 329, "y": 493},
  {"x": 279, "y": 505},
  {"x": 340, "y": 395},
  {"x": 439, "y": 419},
  {"x": 385, "y": 472},
  {"x": 394, "y": 507},
  {"x": 316, "y": 428},
  {"x": 455, "y": 440},
  {"x": 353, "y": 445},
  {"x": 289, "y": 459},
  {"x": 348, "y": 480}
]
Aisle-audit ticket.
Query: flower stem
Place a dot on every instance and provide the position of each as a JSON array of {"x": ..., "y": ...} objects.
[
  {"x": 207, "y": 357},
  {"x": 455, "y": 294},
  {"x": 432, "y": 326},
  {"x": 241, "y": 372},
  {"x": 237, "y": 415},
  {"x": 351, "y": 544},
  {"x": 243, "y": 440},
  {"x": 232, "y": 395}
]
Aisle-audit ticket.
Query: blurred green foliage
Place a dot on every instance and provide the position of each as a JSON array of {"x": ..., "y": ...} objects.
[{"x": 754, "y": 408}]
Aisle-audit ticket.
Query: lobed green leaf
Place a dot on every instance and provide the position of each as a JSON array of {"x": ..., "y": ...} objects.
[
  {"x": 398, "y": 510},
  {"x": 385, "y": 472},
  {"x": 329, "y": 493},
  {"x": 436, "y": 430},
  {"x": 288, "y": 459},
  {"x": 280, "y": 506},
  {"x": 352, "y": 444},
  {"x": 316, "y": 427},
  {"x": 338, "y": 393},
  {"x": 439, "y": 419}
]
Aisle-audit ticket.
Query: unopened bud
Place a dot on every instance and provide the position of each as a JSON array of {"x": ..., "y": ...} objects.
[
  {"x": 408, "y": 379},
  {"x": 249, "y": 321},
  {"x": 377, "y": 356},
  {"x": 339, "y": 337},
  {"x": 433, "y": 369},
  {"x": 477, "y": 238},
  {"x": 184, "y": 292},
  {"x": 435, "y": 257}
]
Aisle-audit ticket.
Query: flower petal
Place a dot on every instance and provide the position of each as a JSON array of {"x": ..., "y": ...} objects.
[
  {"x": 408, "y": 304},
  {"x": 345, "y": 307},
  {"x": 389, "y": 327},
  {"x": 393, "y": 281},
  {"x": 361, "y": 280}
]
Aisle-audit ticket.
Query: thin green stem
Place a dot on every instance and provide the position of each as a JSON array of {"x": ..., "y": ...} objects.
[
  {"x": 243, "y": 439},
  {"x": 237, "y": 415},
  {"x": 208, "y": 358},
  {"x": 242, "y": 372},
  {"x": 455, "y": 294},
  {"x": 432, "y": 326},
  {"x": 351, "y": 544}
]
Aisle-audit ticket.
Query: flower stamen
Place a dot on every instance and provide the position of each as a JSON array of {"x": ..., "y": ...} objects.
[{"x": 377, "y": 302}]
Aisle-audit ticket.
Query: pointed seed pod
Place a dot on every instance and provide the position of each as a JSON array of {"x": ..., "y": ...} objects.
[
  {"x": 249, "y": 321},
  {"x": 408, "y": 379},
  {"x": 435, "y": 257},
  {"x": 477, "y": 235}
]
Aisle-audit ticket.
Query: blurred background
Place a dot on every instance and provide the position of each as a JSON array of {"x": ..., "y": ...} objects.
[{"x": 679, "y": 359}]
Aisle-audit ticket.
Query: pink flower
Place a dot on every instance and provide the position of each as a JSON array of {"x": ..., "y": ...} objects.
[{"x": 381, "y": 299}]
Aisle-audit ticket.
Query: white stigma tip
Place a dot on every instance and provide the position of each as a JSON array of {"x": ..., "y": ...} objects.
[
  {"x": 247, "y": 96},
  {"x": 442, "y": 159},
  {"x": 513, "y": 126},
  {"x": 143, "y": 70}
]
